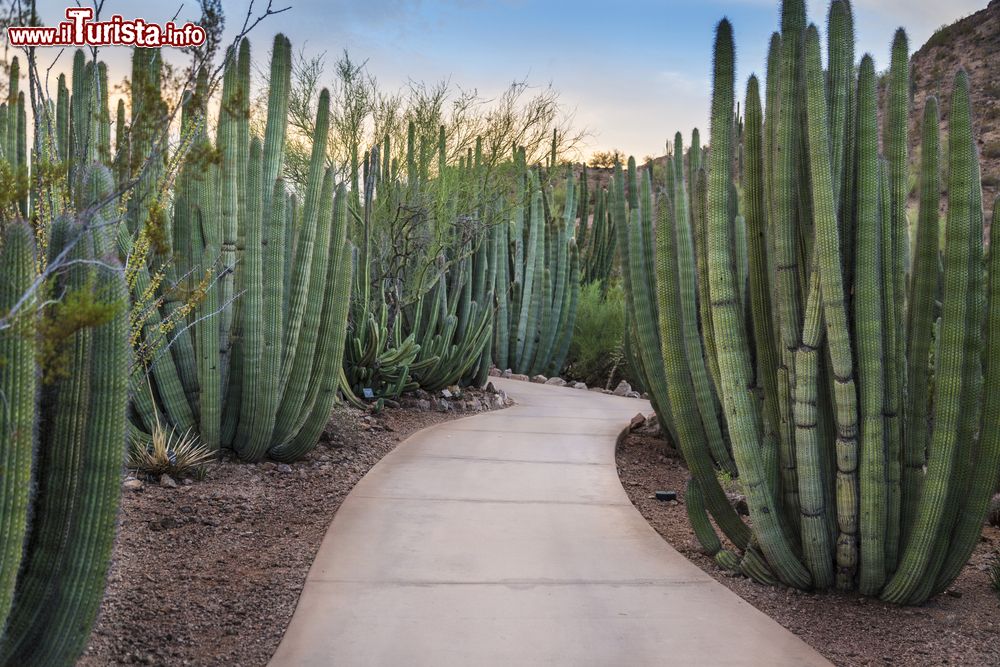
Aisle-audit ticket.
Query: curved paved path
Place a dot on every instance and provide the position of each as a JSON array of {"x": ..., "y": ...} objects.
[{"x": 507, "y": 539}]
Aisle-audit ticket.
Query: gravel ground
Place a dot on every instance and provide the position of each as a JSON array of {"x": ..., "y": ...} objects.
[
  {"x": 209, "y": 573},
  {"x": 961, "y": 627}
]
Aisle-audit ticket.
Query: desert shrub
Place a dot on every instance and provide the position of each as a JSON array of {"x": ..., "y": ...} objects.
[
  {"x": 596, "y": 355},
  {"x": 169, "y": 452}
]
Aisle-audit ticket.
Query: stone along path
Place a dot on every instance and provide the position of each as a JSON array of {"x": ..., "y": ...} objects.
[{"x": 507, "y": 539}]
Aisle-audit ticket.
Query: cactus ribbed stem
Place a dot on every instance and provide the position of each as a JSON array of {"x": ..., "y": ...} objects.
[
  {"x": 734, "y": 364},
  {"x": 918, "y": 553},
  {"x": 868, "y": 314},
  {"x": 920, "y": 323},
  {"x": 18, "y": 386}
]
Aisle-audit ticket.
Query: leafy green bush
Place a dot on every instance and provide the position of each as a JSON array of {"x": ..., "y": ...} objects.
[{"x": 596, "y": 355}]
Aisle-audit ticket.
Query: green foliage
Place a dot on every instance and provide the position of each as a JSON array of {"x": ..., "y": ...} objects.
[
  {"x": 597, "y": 352},
  {"x": 240, "y": 285}
]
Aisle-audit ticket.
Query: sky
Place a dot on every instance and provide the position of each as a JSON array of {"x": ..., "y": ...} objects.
[{"x": 631, "y": 73}]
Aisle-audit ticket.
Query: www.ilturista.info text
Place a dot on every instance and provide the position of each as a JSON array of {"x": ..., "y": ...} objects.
[{"x": 79, "y": 29}]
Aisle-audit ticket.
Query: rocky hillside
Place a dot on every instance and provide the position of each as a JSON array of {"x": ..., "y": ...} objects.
[{"x": 972, "y": 43}]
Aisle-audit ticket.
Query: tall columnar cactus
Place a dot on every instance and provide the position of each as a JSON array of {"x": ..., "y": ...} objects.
[
  {"x": 864, "y": 436},
  {"x": 60, "y": 452},
  {"x": 250, "y": 312},
  {"x": 545, "y": 276},
  {"x": 596, "y": 236}
]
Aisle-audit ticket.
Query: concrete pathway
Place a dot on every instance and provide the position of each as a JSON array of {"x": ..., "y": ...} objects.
[{"x": 507, "y": 539}]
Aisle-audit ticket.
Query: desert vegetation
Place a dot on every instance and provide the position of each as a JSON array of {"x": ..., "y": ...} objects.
[{"x": 213, "y": 268}]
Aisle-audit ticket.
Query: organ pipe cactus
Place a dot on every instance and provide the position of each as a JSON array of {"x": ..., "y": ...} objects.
[
  {"x": 596, "y": 236},
  {"x": 247, "y": 365},
  {"x": 862, "y": 438},
  {"x": 61, "y": 451},
  {"x": 545, "y": 277}
]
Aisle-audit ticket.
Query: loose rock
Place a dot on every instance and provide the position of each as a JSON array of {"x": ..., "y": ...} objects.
[{"x": 622, "y": 389}]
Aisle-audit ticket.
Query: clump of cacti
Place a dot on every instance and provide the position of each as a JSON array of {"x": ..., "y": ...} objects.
[
  {"x": 423, "y": 308},
  {"x": 62, "y": 439},
  {"x": 860, "y": 417},
  {"x": 596, "y": 237},
  {"x": 245, "y": 335},
  {"x": 539, "y": 285}
]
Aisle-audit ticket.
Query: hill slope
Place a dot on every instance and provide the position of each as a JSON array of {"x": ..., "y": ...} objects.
[{"x": 972, "y": 43}]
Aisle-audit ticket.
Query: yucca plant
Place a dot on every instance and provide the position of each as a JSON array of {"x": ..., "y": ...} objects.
[
  {"x": 859, "y": 417},
  {"x": 169, "y": 452}
]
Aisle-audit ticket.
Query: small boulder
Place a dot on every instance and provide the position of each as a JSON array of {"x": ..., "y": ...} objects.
[
  {"x": 637, "y": 422},
  {"x": 506, "y": 374},
  {"x": 423, "y": 405},
  {"x": 622, "y": 389},
  {"x": 133, "y": 484},
  {"x": 539, "y": 379},
  {"x": 167, "y": 482},
  {"x": 494, "y": 372},
  {"x": 632, "y": 394},
  {"x": 520, "y": 376},
  {"x": 556, "y": 382},
  {"x": 579, "y": 385},
  {"x": 284, "y": 468}
]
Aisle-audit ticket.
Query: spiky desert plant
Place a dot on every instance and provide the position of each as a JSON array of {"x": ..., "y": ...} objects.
[
  {"x": 864, "y": 438},
  {"x": 170, "y": 452}
]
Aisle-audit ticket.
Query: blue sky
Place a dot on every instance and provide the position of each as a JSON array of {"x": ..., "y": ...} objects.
[{"x": 632, "y": 73}]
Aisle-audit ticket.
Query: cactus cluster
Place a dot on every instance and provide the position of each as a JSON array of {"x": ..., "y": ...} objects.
[
  {"x": 596, "y": 236},
  {"x": 423, "y": 319},
  {"x": 62, "y": 440},
  {"x": 538, "y": 287},
  {"x": 855, "y": 410},
  {"x": 254, "y": 365}
]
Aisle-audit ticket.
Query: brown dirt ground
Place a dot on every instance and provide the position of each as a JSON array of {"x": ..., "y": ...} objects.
[
  {"x": 209, "y": 573},
  {"x": 961, "y": 627}
]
